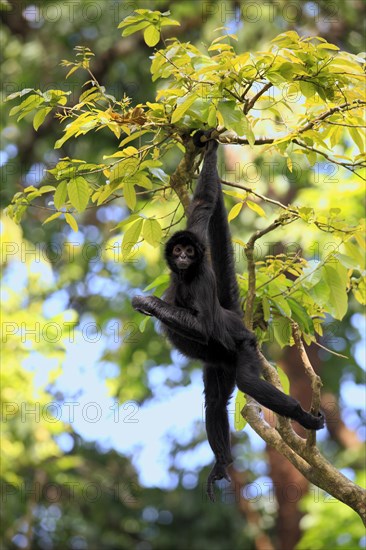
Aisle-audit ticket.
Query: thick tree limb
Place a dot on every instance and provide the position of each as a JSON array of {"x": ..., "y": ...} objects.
[
  {"x": 304, "y": 456},
  {"x": 314, "y": 466}
]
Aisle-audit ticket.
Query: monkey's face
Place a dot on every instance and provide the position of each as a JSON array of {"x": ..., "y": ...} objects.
[{"x": 184, "y": 255}]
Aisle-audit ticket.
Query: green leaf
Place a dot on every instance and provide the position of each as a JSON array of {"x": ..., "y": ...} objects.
[
  {"x": 300, "y": 315},
  {"x": 134, "y": 28},
  {"x": 358, "y": 138},
  {"x": 127, "y": 221},
  {"x": 282, "y": 331},
  {"x": 336, "y": 279},
  {"x": 162, "y": 279},
  {"x": 356, "y": 254},
  {"x": 70, "y": 220},
  {"x": 284, "y": 380},
  {"x": 311, "y": 274},
  {"x": 320, "y": 292},
  {"x": 143, "y": 323},
  {"x": 151, "y": 35},
  {"x": 79, "y": 192},
  {"x": 307, "y": 89},
  {"x": 327, "y": 46},
  {"x": 266, "y": 308},
  {"x": 131, "y": 237},
  {"x": 233, "y": 119},
  {"x": 235, "y": 211},
  {"x": 129, "y": 194},
  {"x": 30, "y": 103},
  {"x": 53, "y": 217},
  {"x": 60, "y": 194},
  {"x": 152, "y": 232},
  {"x": 46, "y": 189},
  {"x": 359, "y": 291},
  {"x": 40, "y": 116},
  {"x": 240, "y": 402},
  {"x": 282, "y": 305},
  {"x": 182, "y": 108}
]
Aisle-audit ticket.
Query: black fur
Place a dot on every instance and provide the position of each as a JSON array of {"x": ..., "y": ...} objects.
[{"x": 202, "y": 318}]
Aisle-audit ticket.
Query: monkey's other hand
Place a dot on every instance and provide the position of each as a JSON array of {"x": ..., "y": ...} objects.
[
  {"x": 218, "y": 472},
  {"x": 143, "y": 304}
]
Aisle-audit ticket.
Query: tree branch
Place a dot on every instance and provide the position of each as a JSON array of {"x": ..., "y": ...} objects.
[
  {"x": 183, "y": 174},
  {"x": 249, "y": 252},
  {"x": 313, "y": 465},
  {"x": 303, "y": 455},
  {"x": 251, "y": 103}
]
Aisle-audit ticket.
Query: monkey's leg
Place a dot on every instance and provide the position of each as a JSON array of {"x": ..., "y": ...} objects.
[
  {"x": 219, "y": 384},
  {"x": 248, "y": 381}
]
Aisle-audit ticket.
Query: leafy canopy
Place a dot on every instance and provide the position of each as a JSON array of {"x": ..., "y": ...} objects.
[{"x": 300, "y": 99}]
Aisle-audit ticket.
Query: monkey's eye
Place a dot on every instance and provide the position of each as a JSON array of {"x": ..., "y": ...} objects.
[
  {"x": 190, "y": 251},
  {"x": 177, "y": 250}
]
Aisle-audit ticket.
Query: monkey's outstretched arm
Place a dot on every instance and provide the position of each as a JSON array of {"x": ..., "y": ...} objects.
[{"x": 178, "y": 319}]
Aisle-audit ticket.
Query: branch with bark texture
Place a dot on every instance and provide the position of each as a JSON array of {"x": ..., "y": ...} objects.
[
  {"x": 309, "y": 462},
  {"x": 315, "y": 380},
  {"x": 183, "y": 174}
]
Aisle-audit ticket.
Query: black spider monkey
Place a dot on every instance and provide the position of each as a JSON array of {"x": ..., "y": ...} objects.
[{"x": 202, "y": 318}]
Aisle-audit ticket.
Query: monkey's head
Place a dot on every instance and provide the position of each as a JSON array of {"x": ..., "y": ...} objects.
[{"x": 184, "y": 252}]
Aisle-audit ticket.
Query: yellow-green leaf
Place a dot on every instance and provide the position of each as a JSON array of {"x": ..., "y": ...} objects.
[
  {"x": 235, "y": 211},
  {"x": 70, "y": 220},
  {"x": 143, "y": 323},
  {"x": 160, "y": 280},
  {"x": 335, "y": 277},
  {"x": 327, "y": 46},
  {"x": 284, "y": 380},
  {"x": 240, "y": 402},
  {"x": 131, "y": 236},
  {"x": 359, "y": 291},
  {"x": 53, "y": 217},
  {"x": 358, "y": 138},
  {"x": 256, "y": 208},
  {"x": 129, "y": 194},
  {"x": 289, "y": 163},
  {"x": 152, "y": 232},
  {"x": 60, "y": 194},
  {"x": 79, "y": 192},
  {"x": 40, "y": 116},
  {"x": 182, "y": 108},
  {"x": 46, "y": 189},
  {"x": 151, "y": 35},
  {"x": 266, "y": 308}
]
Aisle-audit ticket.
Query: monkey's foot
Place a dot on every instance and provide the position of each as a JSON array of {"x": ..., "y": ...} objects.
[
  {"x": 218, "y": 472},
  {"x": 312, "y": 422}
]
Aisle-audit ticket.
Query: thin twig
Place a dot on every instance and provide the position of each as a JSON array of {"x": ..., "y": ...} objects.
[
  {"x": 330, "y": 351},
  {"x": 315, "y": 380},
  {"x": 249, "y": 252}
]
